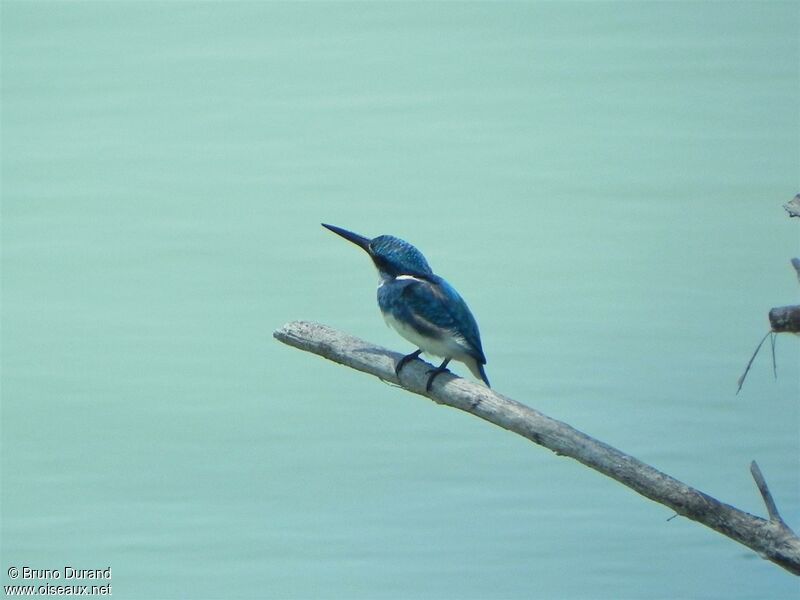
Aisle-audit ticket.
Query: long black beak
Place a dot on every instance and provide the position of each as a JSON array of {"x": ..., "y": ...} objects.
[{"x": 358, "y": 240}]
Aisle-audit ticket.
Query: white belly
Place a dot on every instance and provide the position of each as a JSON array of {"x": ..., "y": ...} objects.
[{"x": 449, "y": 346}]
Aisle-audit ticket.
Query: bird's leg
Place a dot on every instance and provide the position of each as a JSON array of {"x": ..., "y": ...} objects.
[
  {"x": 402, "y": 362},
  {"x": 442, "y": 368}
]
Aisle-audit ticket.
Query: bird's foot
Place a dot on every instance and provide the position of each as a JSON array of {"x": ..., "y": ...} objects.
[
  {"x": 402, "y": 362},
  {"x": 434, "y": 373}
]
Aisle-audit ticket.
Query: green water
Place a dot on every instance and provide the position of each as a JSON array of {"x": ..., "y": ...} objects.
[{"x": 603, "y": 184}]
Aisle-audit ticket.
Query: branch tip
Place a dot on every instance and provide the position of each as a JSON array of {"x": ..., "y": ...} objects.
[
  {"x": 766, "y": 495},
  {"x": 793, "y": 206}
]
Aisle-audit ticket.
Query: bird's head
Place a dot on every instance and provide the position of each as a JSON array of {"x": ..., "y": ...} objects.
[{"x": 392, "y": 256}]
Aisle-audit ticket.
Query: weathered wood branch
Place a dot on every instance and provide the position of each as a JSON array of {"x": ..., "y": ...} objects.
[
  {"x": 787, "y": 318},
  {"x": 793, "y": 206},
  {"x": 784, "y": 319},
  {"x": 766, "y": 495},
  {"x": 770, "y": 538}
]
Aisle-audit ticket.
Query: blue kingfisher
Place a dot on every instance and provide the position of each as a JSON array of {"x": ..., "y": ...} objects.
[{"x": 421, "y": 306}]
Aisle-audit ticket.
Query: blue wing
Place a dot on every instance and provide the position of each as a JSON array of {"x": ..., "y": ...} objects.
[{"x": 434, "y": 308}]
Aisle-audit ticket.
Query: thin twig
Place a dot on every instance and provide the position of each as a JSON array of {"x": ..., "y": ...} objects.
[
  {"x": 769, "y": 501},
  {"x": 750, "y": 362},
  {"x": 774, "y": 362}
]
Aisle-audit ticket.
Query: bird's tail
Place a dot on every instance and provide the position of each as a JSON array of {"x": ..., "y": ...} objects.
[
  {"x": 479, "y": 372},
  {"x": 483, "y": 375}
]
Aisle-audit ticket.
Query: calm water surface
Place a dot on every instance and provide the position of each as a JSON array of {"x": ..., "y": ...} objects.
[{"x": 602, "y": 182}]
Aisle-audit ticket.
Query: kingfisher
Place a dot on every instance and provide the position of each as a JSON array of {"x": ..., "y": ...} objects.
[{"x": 421, "y": 306}]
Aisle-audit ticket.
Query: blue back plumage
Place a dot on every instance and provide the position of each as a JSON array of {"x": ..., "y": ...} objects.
[
  {"x": 394, "y": 257},
  {"x": 433, "y": 308},
  {"x": 425, "y": 301},
  {"x": 460, "y": 313}
]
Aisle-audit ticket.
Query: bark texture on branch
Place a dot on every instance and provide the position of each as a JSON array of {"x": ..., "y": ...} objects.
[
  {"x": 787, "y": 318},
  {"x": 793, "y": 206},
  {"x": 784, "y": 319},
  {"x": 770, "y": 538}
]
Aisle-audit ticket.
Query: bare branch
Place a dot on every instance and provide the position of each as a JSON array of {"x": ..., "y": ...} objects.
[
  {"x": 752, "y": 358},
  {"x": 793, "y": 206},
  {"x": 796, "y": 265},
  {"x": 766, "y": 537},
  {"x": 782, "y": 319},
  {"x": 769, "y": 501},
  {"x": 785, "y": 319}
]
